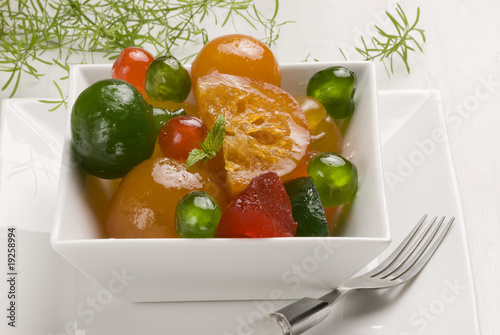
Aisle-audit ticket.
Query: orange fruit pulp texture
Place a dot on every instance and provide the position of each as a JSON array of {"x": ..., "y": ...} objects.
[
  {"x": 144, "y": 204},
  {"x": 239, "y": 55},
  {"x": 266, "y": 129}
]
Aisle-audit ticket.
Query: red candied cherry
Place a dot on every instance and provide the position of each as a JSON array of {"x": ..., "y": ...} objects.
[
  {"x": 131, "y": 66},
  {"x": 180, "y": 135}
]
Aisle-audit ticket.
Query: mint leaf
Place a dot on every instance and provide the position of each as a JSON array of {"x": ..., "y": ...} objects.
[
  {"x": 194, "y": 156},
  {"x": 215, "y": 137},
  {"x": 212, "y": 144}
]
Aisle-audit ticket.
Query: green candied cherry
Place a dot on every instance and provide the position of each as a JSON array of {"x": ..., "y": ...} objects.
[
  {"x": 197, "y": 215},
  {"x": 112, "y": 129},
  {"x": 334, "y": 87},
  {"x": 167, "y": 80},
  {"x": 335, "y": 177}
]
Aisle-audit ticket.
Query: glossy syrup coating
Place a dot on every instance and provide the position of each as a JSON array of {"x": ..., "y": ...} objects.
[
  {"x": 131, "y": 66},
  {"x": 265, "y": 129},
  {"x": 239, "y": 55},
  {"x": 180, "y": 135},
  {"x": 144, "y": 204}
]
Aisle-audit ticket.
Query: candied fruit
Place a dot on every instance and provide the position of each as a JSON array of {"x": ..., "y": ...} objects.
[
  {"x": 334, "y": 87},
  {"x": 131, "y": 66},
  {"x": 263, "y": 209},
  {"x": 307, "y": 209},
  {"x": 326, "y": 136},
  {"x": 335, "y": 177},
  {"x": 144, "y": 204},
  {"x": 239, "y": 55},
  {"x": 266, "y": 129}
]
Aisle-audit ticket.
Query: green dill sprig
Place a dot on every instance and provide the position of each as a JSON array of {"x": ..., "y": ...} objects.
[
  {"x": 387, "y": 45},
  {"x": 271, "y": 27},
  {"x": 57, "y": 103},
  {"x": 35, "y": 34}
]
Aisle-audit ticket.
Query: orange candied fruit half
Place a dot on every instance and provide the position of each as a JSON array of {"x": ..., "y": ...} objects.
[
  {"x": 266, "y": 129},
  {"x": 239, "y": 55},
  {"x": 143, "y": 206}
]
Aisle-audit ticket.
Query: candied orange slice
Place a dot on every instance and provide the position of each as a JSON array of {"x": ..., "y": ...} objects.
[{"x": 266, "y": 129}]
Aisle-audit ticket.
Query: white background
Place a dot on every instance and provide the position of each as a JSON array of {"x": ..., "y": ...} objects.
[{"x": 461, "y": 58}]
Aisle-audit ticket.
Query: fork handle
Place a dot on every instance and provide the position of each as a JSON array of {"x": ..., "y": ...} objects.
[
  {"x": 299, "y": 316},
  {"x": 271, "y": 324},
  {"x": 293, "y": 319}
]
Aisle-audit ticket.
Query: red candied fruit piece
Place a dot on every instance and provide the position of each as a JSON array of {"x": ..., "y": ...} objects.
[{"x": 263, "y": 209}]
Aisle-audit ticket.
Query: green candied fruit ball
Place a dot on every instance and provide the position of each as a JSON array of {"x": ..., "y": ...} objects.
[
  {"x": 334, "y": 87},
  {"x": 335, "y": 178},
  {"x": 167, "y": 80},
  {"x": 197, "y": 215},
  {"x": 112, "y": 129}
]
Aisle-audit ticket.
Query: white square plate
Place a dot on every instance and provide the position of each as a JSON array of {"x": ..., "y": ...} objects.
[{"x": 56, "y": 298}]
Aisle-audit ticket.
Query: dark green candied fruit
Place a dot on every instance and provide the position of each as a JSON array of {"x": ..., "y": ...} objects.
[
  {"x": 335, "y": 177},
  {"x": 112, "y": 129},
  {"x": 197, "y": 215},
  {"x": 307, "y": 209},
  {"x": 334, "y": 87},
  {"x": 167, "y": 80}
]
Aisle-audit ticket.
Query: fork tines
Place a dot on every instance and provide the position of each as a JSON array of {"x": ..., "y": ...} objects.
[{"x": 414, "y": 252}]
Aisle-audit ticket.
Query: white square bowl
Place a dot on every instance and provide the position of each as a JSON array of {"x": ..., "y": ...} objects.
[{"x": 143, "y": 270}]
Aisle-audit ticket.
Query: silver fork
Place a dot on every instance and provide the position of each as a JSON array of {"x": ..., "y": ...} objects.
[{"x": 402, "y": 265}]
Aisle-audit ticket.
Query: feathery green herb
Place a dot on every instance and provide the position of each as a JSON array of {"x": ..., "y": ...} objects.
[
  {"x": 36, "y": 34},
  {"x": 387, "y": 45}
]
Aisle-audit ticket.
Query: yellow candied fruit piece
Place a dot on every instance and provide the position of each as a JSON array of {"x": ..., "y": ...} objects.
[
  {"x": 144, "y": 204},
  {"x": 313, "y": 110}
]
